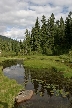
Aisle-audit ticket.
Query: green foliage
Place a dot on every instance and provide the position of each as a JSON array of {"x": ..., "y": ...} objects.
[
  {"x": 51, "y": 37},
  {"x": 48, "y": 51},
  {"x": 8, "y": 53},
  {"x": 26, "y": 43},
  {"x": 55, "y": 63},
  {"x": 68, "y": 30},
  {"x": 35, "y": 37},
  {"x": 8, "y": 91},
  {"x": 10, "y": 47}
]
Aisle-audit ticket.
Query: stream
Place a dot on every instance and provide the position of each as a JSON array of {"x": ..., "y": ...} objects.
[{"x": 50, "y": 89}]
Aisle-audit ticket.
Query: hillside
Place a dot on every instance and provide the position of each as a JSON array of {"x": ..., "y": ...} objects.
[
  {"x": 8, "y": 46},
  {"x": 4, "y": 37}
]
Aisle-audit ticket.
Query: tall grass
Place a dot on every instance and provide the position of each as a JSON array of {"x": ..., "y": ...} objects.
[{"x": 8, "y": 91}]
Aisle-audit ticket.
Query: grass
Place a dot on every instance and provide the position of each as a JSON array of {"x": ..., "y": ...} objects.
[
  {"x": 49, "y": 62},
  {"x": 8, "y": 89}
]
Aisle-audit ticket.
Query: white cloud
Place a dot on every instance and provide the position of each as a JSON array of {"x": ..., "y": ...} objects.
[
  {"x": 62, "y": 2},
  {"x": 18, "y": 15},
  {"x": 46, "y": 9},
  {"x": 15, "y": 33}
]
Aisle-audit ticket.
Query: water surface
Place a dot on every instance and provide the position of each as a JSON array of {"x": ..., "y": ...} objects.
[{"x": 50, "y": 88}]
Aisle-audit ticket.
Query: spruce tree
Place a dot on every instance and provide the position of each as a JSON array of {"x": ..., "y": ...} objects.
[
  {"x": 44, "y": 35},
  {"x": 51, "y": 32},
  {"x": 68, "y": 31},
  {"x": 35, "y": 37}
]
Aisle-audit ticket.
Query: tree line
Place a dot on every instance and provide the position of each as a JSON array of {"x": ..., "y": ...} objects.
[
  {"x": 9, "y": 46},
  {"x": 53, "y": 37},
  {"x": 48, "y": 37}
]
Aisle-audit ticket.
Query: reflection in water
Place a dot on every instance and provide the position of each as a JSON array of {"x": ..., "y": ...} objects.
[
  {"x": 51, "y": 89},
  {"x": 48, "y": 80},
  {"x": 15, "y": 72}
]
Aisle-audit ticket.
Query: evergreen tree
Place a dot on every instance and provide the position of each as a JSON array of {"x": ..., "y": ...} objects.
[
  {"x": 68, "y": 31},
  {"x": 27, "y": 46},
  {"x": 51, "y": 33},
  {"x": 59, "y": 39},
  {"x": 51, "y": 38},
  {"x": 44, "y": 35},
  {"x": 35, "y": 37}
]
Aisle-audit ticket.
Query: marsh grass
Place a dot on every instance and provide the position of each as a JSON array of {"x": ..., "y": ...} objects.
[
  {"x": 8, "y": 91},
  {"x": 59, "y": 63}
]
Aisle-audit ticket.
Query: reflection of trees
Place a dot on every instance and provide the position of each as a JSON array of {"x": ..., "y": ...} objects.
[
  {"x": 45, "y": 76},
  {"x": 48, "y": 92},
  {"x": 36, "y": 86},
  {"x": 42, "y": 90},
  {"x": 8, "y": 63},
  {"x": 26, "y": 77}
]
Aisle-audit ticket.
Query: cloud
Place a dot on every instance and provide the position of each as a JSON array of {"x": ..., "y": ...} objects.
[
  {"x": 46, "y": 9},
  {"x": 18, "y": 15},
  {"x": 15, "y": 33},
  {"x": 42, "y": 2},
  {"x": 54, "y": 2},
  {"x": 62, "y": 2}
]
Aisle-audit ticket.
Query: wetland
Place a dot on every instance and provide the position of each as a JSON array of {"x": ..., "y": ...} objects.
[{"x": 51, "y": 88}]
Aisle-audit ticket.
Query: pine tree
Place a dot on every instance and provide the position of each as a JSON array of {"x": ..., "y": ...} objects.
[
  {"x": 59, "y": 43},
  {"x": 44, "y": 35},
  {"x": 27, "y": 46},
  {"x": 35, "y": 37},
  {"x": 51, "y": 33},
  {"x": 68, "y": 30}
]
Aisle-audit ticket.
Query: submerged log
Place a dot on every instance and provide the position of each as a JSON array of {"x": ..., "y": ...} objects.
[{"x": 23, "y": 96}]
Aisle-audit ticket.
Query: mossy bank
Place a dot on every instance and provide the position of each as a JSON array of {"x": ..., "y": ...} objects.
[{"x": 8, "y": 90}]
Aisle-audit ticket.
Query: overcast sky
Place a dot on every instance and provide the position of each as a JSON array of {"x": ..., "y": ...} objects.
[{"x": 18, "y": 15}]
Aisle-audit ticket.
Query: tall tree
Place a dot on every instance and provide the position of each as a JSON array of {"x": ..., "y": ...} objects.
[
  {"x": 35, "y": 37},
  {"x": 27, "y": 46},
  {"x": 51, "y": 32},
  {"x": 68, "y": 30},
  {"x": 44, "y": 35},
  {"x": 59, "y": 39}
]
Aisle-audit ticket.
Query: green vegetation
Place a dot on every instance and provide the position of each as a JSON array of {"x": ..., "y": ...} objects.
[
  {"x": 48, "y": 37},
  {"x": 58, "y": 63},
  {"x": 47, "y": 46},
  {"x": 8, "y": 90}
]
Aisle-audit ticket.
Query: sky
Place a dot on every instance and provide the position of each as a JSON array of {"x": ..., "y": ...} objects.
[{"x": 18, "y": 15}]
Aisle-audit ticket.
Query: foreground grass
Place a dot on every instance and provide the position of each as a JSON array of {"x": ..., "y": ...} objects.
[
  {"x": 8, "y": 91},
  {"x": 56, "y": 62}
]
